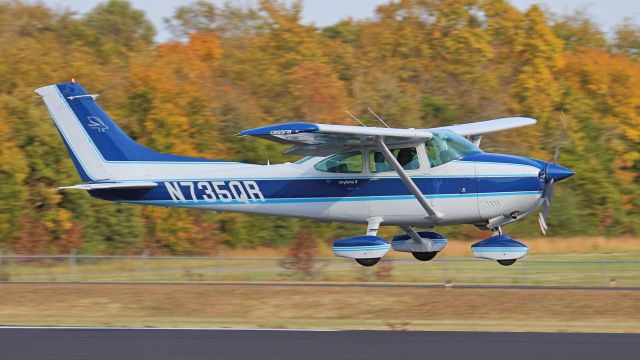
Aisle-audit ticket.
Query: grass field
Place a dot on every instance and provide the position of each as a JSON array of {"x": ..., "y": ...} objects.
[
  {"x": 552, "y": 261},
  {"x": 201, "y": 305},
  {"x": 621, "y": 270}
]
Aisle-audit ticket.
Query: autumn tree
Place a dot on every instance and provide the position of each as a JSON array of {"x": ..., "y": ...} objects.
[{"x": 417, "y": 63}]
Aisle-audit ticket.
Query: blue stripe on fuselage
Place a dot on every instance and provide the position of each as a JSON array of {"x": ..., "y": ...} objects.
[
  {"x": 353, "y": 189},
  {"x": 322, "y": 199}
]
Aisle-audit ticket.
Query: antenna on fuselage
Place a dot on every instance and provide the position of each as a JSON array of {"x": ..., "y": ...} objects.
[
  {"x": 268, "y": 161},
  {"x": 355, "y": 118},
  {"x": 378, "y": 117}
]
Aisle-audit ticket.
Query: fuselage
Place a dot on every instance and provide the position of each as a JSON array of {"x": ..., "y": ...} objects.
[{"x": 470, "y": 190}]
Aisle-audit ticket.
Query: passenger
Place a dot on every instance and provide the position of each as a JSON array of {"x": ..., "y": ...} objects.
[{"x": 381, "y": 165}]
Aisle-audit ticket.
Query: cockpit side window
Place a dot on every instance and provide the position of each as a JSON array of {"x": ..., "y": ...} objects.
[
  {"x": 407, "y": 157},
  {"x": 447, "y": 146},
  {"x": 348, "y": 162}
]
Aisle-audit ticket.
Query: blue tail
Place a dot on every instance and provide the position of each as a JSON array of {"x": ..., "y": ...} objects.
[{"x": 92, "y": 138}]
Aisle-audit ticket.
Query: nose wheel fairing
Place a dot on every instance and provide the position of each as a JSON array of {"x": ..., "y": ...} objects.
[{"x": 500, "y": 247}]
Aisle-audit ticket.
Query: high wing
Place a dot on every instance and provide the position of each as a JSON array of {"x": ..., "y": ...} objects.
[
  {"x": 111, "y": 185},
  {"x": 322, "y": 139},
  {"x": 489, "y": 126}
]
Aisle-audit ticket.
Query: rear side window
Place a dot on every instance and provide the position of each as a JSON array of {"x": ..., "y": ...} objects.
[{"x": 348, "y": 162}]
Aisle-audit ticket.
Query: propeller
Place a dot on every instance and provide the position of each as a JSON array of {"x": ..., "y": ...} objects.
[
  {"x": 547, "y": 194},
  {"x": 549, "y": 183}
]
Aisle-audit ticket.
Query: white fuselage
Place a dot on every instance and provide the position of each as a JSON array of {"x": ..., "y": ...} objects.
[{"x": 464, "y": 192}]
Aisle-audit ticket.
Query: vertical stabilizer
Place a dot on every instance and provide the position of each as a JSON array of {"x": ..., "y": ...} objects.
[
  {"x": 85, "y": 156},
  {"x": 99, "y": 148}
]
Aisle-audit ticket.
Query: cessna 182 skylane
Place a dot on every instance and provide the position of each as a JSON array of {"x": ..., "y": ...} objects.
[{"x": 370, "y": 175}]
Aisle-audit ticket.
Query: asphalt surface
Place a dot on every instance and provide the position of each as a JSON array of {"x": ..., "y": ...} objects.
[{"x": 157, "y": 344}]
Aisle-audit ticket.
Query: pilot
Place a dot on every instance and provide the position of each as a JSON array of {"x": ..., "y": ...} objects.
[
  {"x": 438, "y": 151},
  {"x": 408, "y": 158},
  {"x": 446, "y": 154}
]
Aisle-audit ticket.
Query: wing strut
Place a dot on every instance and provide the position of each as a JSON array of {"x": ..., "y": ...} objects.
[
  {"x": 406, "y": 179},
  {"x": 411, "y": 232}
]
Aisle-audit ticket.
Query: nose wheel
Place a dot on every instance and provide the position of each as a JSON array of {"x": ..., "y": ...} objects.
[{"x": 507, "y": 262}]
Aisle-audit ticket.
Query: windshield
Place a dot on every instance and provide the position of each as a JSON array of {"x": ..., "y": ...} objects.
[{"x": 448, "y": 146}]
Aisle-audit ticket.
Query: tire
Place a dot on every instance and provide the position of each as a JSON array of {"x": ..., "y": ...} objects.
[
  {"x": 507, "y": 262},
  {"x": 425, "y": 256},
  {"x": 368, "y": 261}
]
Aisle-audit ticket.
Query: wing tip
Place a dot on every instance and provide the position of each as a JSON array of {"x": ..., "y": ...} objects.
[{"x": 282, "y": 129}]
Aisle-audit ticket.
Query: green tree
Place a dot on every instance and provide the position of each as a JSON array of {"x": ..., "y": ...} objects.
[
  {"x": 13, "y": 193},
  {"x": 577, "y": 30},
  {"x": 627, "y": 39},
  {"x": 115, "y": 30}
]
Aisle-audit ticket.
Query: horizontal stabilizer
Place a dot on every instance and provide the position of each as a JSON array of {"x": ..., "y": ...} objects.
[{"x": 111, "y": 185}]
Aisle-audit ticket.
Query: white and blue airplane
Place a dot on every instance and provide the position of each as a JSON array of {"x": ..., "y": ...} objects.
[{"x": 411, "y": 178}]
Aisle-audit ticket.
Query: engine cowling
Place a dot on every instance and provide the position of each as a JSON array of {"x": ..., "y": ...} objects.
[
  {"x": 432, "y": 241},
  {"x": 361, "y": 247},
  {"x": 499, "y": 247}
]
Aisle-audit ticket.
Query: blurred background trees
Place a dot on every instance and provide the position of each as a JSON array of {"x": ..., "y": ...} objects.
[{"x": 419, "y": 63}]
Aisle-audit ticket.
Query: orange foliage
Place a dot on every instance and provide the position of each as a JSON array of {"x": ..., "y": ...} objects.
[
  {"x": 613, "y": 81},
  {"x": 322, "y": 96},
  {"x": 180, "y": 78}
]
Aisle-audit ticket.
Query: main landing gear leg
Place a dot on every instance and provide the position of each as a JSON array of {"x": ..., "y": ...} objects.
[
  {"x": 373, "y": 224},
  {"x": 372, "y": 230}
]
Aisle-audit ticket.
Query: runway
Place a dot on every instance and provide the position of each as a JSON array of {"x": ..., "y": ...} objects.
[{"x": 192, "y": 344}]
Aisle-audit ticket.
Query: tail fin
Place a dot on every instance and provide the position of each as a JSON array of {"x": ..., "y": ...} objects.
[{"x": 93, "y": 140}]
